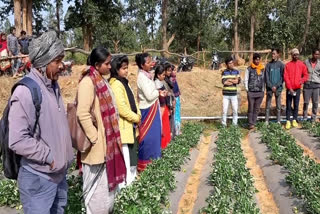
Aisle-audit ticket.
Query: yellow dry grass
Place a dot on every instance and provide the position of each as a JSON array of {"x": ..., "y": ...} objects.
[{"x": 201, "y": 90}]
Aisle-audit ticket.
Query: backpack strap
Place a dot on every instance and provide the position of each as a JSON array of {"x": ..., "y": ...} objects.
[{"x": 35, "y": 90}]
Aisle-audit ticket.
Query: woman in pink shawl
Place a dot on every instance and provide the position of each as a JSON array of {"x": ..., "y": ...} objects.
[{"x": 4, "y": 64}]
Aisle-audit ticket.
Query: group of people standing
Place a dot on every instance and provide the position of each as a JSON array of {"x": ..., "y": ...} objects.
[
  {"x": 126, "y": 131},
  {"x": 12, "y": 46},
  {"x": 269, "y": 80},
  {"x": 129, "y": 131}
]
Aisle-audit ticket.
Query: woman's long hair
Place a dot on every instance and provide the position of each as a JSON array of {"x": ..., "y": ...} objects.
[
  {"x": 98, "y": 56},
  {"x": 158, "y": 71},
  {"x": 116, "y": 64}
]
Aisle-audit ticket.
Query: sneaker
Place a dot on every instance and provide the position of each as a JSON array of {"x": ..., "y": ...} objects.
[
  {"x": 267, "y": 122},
  {"x": 288, "y": 125},
  {"x": 294, "y": 124},
  {"x": 251, "y": 127}
]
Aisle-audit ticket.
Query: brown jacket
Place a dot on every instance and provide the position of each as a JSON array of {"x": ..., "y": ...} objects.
[{"x": 86, "y": 93}]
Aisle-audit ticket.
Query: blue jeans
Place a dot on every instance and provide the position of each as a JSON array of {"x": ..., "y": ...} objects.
[
  {"x": 15, "y": 64},
  {"x": 234, "y": 105},
  {"x": 295, "y": 99},
  {"x": 41, "y": 196}
]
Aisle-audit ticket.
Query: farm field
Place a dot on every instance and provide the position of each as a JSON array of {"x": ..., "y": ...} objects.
[
  {"x": 206, "y": 169},
  {"x": 209, "y": 169}
]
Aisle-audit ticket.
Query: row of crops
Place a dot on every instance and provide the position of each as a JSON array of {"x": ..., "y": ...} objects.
[
  {"x": 303, "y": 172},
  {"x": 232, "y": 185},
  {"x": 150, "y": 193},
  {"x": 313, "y": 128}
]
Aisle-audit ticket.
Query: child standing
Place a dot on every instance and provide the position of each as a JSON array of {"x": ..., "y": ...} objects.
[
  {"x": 176, "y": 92},
  {"x": 171, "y": 102},
  {"x": 230, "y": 80},
  {"x": 159, "y": 77}
]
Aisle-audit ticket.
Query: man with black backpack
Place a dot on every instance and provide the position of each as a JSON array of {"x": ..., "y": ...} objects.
[{"x": 39, "y": 134}]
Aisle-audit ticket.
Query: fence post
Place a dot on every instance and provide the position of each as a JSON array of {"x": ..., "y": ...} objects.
[
  {"x": 266, "y": 60},
  {"x": 203, "y": 58}
]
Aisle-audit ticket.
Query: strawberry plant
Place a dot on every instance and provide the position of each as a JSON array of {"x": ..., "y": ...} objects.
[
  {"x": 313, "y": 128},
  {"x": 233, "y": 184},
  {"x": 9, "y": 194},
  {"x": 149, "y": 194},
  {"x": 303, "y": 172}
]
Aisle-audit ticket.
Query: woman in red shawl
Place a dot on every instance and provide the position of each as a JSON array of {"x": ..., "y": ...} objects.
[{"x": 4, "y": 64}]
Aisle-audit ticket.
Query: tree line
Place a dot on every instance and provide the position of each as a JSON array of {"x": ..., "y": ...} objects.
[{"x": 175, "y": 25}]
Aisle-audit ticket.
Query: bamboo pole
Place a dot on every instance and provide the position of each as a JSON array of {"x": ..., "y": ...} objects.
[
  {"x": 13, "y": 57},
  {"x": 203, "y": 58}
]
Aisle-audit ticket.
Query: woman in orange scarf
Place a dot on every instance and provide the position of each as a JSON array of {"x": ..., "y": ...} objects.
[{"x": 254, "y": 82}]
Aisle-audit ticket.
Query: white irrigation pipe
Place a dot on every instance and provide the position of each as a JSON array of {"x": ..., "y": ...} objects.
[{"x": 230, "y": 117}]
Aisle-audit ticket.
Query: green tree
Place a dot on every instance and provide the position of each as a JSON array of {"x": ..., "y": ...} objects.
[{"x": 92, "y": 16}]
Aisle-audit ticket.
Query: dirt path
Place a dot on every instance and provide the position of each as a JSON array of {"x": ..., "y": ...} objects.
[
  {"x": 182, "y": 178},
  {"x": 8, "y": 210},
  {"x": 205, "y": 187},
  {"x": 192, "y": 181},
  {"x": 309, "y": 144},
  {"x": 264, "y": 197},
  {"x": 274, "y": 176}
]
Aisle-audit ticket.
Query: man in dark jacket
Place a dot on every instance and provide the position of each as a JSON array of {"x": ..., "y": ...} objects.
[
  {"x": 274, "y": 83},
  {"x": 254, "y": 82},
  {"x": 24, "y": 43},
  {"x": 46, "y": 154},
  {"x": 311, "y": 87},
  {"x": 14, "y": 50}
]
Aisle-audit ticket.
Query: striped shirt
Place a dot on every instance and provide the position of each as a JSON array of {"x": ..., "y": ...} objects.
[{"x": 230, "y": 90}]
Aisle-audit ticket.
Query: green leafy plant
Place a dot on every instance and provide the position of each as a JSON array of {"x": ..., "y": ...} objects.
[
  {"x": 149, "y": 194},
  {"x": 9, "y": 194},
  {"x": 75, "y": 202},
  {"x": 304, "y": 173},
  {"x": 313, "y": 128},
  {"x": 233, "y": 184}
]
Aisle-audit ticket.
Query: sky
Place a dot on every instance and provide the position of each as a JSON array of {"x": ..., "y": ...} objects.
[{"x": 65, "y": 8}]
